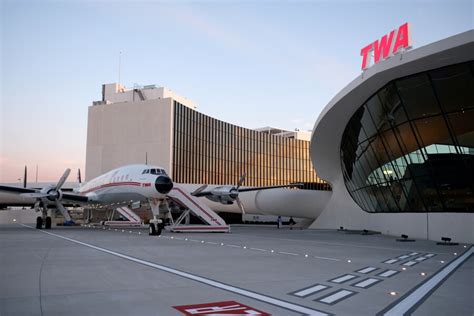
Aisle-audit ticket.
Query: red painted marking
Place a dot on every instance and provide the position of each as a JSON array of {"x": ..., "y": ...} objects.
[
  {"x": 220, "y": 308},
  {"x": 183, "y": 193},
  {"x": 113, "y": 184}
]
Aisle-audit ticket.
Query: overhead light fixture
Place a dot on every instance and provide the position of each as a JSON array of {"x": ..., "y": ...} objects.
[
  {"x": 393, "y": 293},
  {"x": 387, "y": 171}
]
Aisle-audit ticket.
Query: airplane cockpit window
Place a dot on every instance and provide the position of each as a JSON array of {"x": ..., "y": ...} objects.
[{"x": 154, "y": 171}]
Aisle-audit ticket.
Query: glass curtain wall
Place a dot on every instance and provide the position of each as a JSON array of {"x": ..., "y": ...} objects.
[
  {"x": 209, "y": 151},
  {"x": 410, "y": 147}
]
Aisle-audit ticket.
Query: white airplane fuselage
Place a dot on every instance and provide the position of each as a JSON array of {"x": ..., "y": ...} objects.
[{"x": 128, "y": 184}]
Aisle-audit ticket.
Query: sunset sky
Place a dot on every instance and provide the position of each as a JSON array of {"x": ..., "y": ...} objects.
[{"x": 250, "y": 63}]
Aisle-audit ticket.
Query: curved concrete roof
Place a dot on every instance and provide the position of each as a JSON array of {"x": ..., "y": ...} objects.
[{"x": 330, "y": 125}]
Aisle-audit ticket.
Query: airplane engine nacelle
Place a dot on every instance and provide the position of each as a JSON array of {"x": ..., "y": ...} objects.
[
  {"x": 54, "y": 195},
  {"x": 226, "y": 200}
]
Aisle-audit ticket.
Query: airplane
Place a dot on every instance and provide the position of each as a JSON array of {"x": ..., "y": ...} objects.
[
  {"x": 122, "y": 185},
  {"x": 228, "y": 194},
  {"x": 128, "y": 185}
]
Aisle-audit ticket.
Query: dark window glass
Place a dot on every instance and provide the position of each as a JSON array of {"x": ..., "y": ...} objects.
[
  {"x": 418, "y": 96},
  {"x": 394, "y": 112},
  {"x": 377, "y": 113},
  {"x": 410, "y": 156},
  {"x": 454, "y": 87},
  {"x": 461, "y": 123}
]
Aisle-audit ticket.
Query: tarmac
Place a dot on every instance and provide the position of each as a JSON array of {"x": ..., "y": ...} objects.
[{"x": 254, "y": 270}]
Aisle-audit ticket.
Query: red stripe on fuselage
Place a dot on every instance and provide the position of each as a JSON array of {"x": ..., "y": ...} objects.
[{"x": 113, "y": 184}]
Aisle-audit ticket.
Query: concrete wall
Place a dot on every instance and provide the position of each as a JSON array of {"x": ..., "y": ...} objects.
[{"x": 118, "y": 134}]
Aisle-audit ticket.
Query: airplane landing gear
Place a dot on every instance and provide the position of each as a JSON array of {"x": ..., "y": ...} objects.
[
  {"x": 155, "y": 229},
  {"x": 39, "y": 222},
  {"x": 152, "y": 231},
  {"x": 47, "y": 224}
]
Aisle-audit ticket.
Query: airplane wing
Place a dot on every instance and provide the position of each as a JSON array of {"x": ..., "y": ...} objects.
[
  {"x": 12, "y": 189},
  {"x": 271, "y": 187},
  {"x": 200, "y": 191},
  {"x": 34, "y": 193}
]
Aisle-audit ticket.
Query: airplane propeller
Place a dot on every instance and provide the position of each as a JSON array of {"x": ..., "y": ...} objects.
[
  {"x": 237, "y": 199},
  {"x": 52, "y": 194},
  {"x": 228, "y": 194},
  {"x": 199, "y": 190}
]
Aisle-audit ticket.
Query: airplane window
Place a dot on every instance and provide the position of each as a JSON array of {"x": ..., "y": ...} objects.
[{"x": 156, "y": 171}]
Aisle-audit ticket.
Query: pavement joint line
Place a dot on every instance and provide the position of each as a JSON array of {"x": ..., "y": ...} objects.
[
  {"x": 254, "y": 295},
  {"x": 288, "y": 253},
  {"x": 233, "y": 246},
  {"x": 259, "y": 249},
  {"x": 405, "y": 304},
  {"x": 343, "y": 245},
  {"x": 326, "y": 258}
]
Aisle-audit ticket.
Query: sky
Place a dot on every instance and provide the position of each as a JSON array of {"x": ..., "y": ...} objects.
[{"x": 249, "y": 63}]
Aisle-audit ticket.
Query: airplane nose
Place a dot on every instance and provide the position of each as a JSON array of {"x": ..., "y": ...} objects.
[{"x": 163, "y": 184}]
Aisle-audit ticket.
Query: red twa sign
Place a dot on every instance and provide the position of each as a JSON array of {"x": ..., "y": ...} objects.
[
  {"x": 220, "y": 308},
  {"x": 389, "y": 45}
]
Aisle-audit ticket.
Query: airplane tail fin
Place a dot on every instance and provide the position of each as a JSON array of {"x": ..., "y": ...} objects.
[{"x": 25, "y": 175}]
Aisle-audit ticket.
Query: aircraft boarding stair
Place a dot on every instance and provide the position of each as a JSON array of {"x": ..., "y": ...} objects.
[
  {"x": 132, "y": 218},
  {"x": 213, "y": 222}
]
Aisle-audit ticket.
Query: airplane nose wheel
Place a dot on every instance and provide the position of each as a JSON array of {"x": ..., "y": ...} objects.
[
  {"x": 152, "y": 231},
  {"x": 155, "y": 229}
]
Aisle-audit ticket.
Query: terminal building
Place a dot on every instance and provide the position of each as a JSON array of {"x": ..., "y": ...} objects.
[{"x": 397, "y": 145}]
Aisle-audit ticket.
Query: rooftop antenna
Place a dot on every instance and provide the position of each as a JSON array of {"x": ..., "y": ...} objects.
[{"x": 119, "y": 67}]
